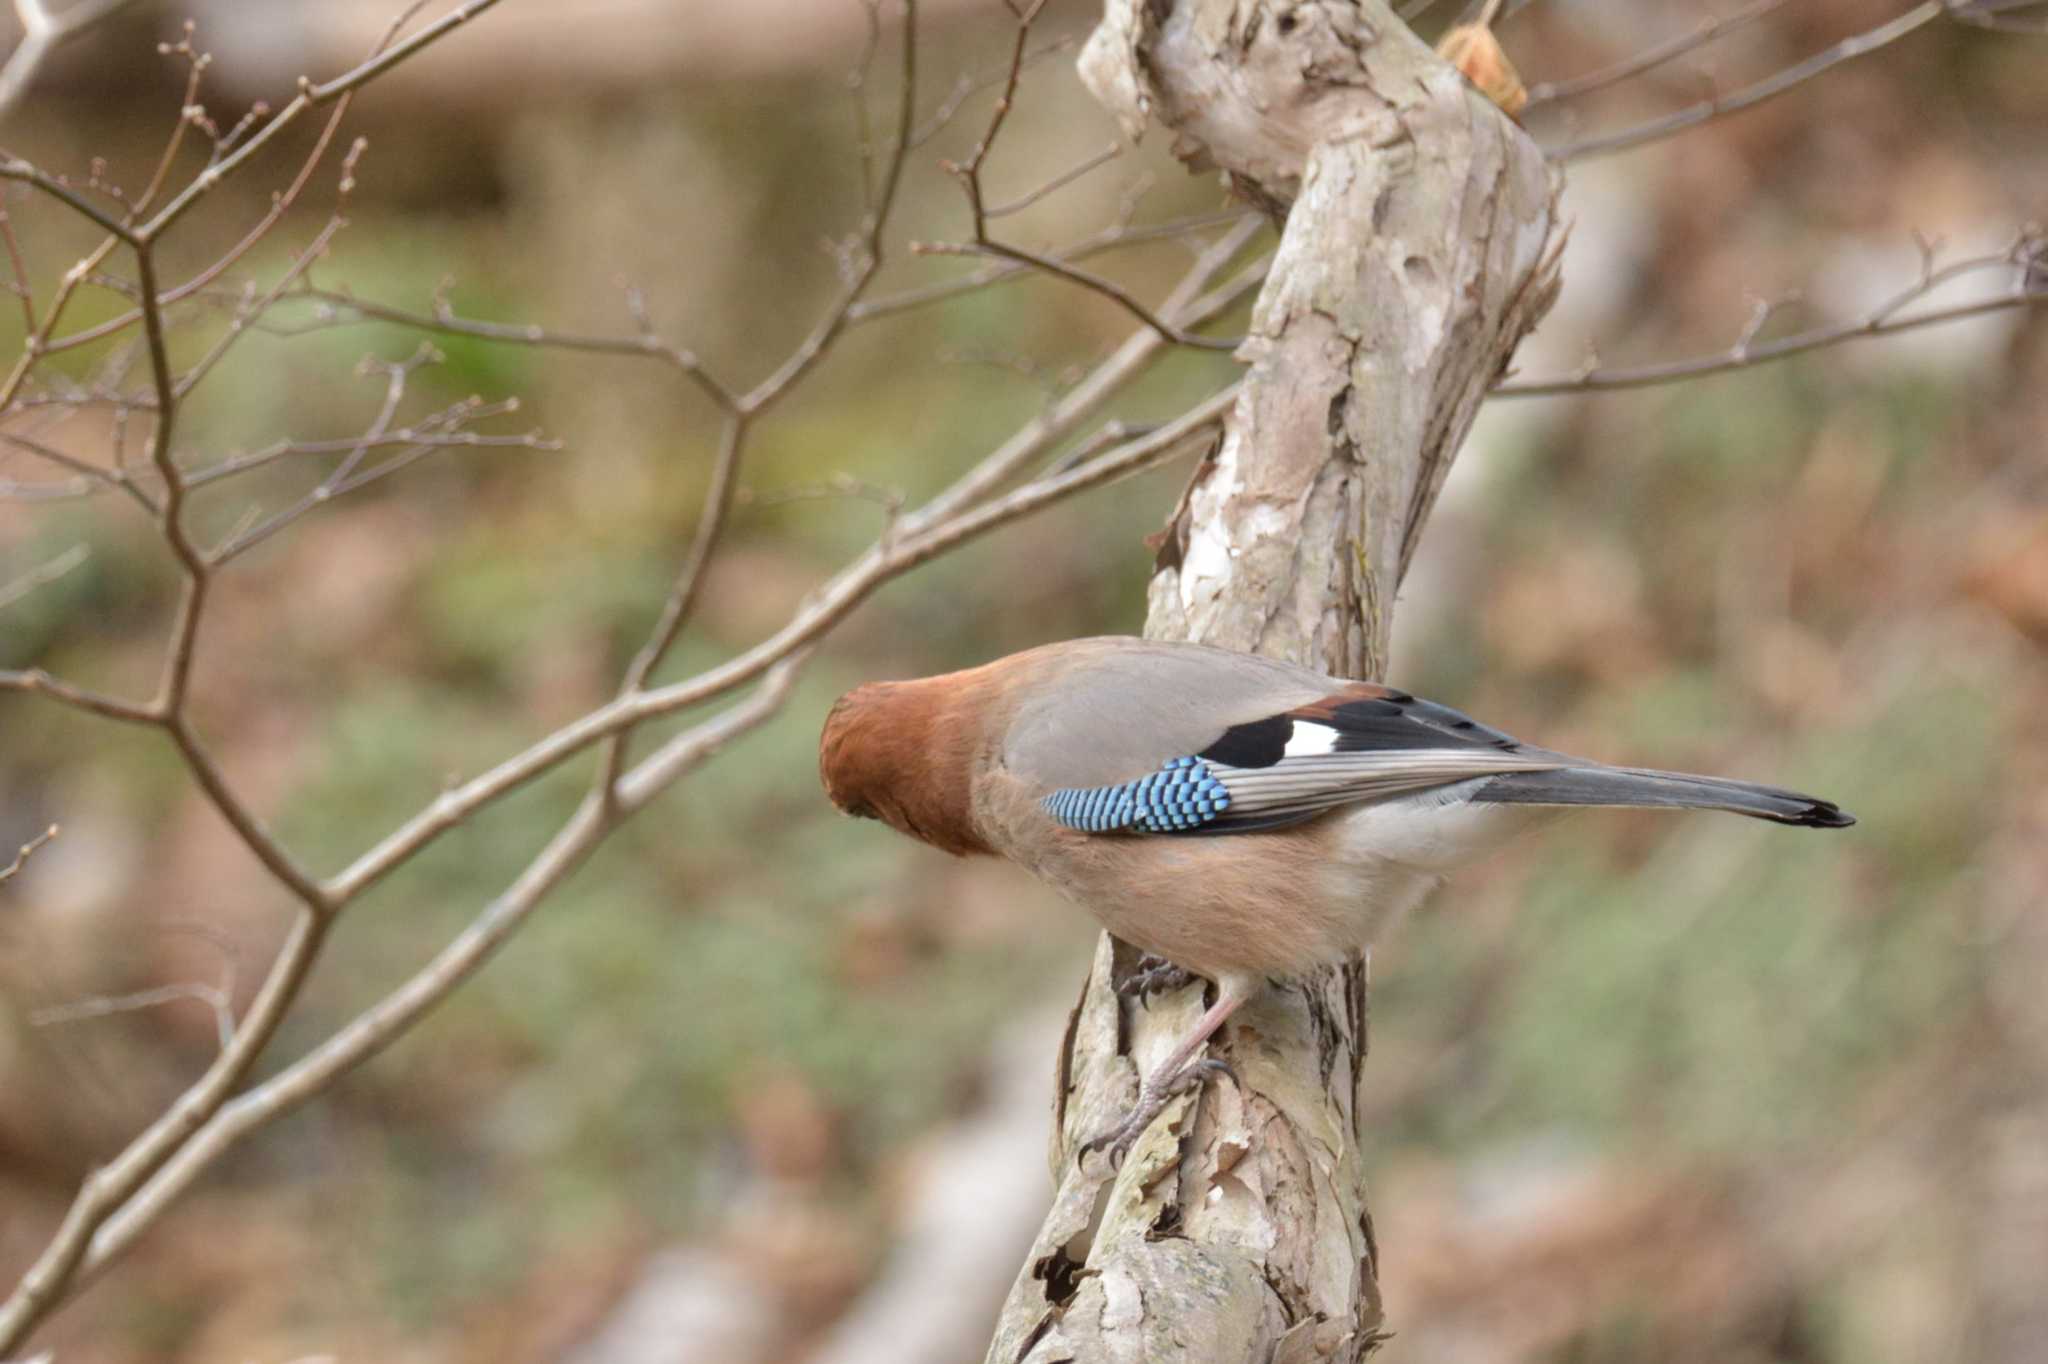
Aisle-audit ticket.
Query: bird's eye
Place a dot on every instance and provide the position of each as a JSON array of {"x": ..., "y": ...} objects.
[{"x": 860, "y": 809}]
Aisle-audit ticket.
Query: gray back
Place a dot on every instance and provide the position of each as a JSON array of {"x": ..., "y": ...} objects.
[{"x": 1112, "y": 709}]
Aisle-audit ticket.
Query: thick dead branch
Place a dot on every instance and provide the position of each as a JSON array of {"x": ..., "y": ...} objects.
[{"x": 1418, "y": 250}]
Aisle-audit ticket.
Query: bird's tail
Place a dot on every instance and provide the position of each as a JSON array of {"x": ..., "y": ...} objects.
[{"x": 1642, "y": 787}]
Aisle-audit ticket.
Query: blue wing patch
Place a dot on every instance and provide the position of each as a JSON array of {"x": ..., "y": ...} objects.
[{"x": 1180, "y": 796}]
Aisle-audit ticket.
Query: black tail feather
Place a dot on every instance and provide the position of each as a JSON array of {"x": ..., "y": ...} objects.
[{"x": 1642, "y": 787}]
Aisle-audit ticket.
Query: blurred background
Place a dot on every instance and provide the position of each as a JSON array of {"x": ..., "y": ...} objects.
[{"x": 1647, "y": 1088}]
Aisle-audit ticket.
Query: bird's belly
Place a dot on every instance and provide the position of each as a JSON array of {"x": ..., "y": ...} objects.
[{"x": 1276, "y": 903}]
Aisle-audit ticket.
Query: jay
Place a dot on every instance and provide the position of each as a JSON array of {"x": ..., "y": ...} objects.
[{"x": 1237, "y": 817}]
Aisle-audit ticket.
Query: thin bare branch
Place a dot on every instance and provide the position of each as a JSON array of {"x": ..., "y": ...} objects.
[
  {"x": 838, "y": 488},
  {"x": 14, "y": 168},
  {"x": 682, "y": 598},
  {"x": 178, "y": 658},
  {"x": 280, "y": 204},
  {"x": 1056, "y": 183},
  {"x": 23, "y": 290},
  {"x": 1109, "y": 289},
  {"x": 867, "y": 252},
  {"x": 36, "y": 682},
  {"x": 310, "y": 96},
  {"x": 968, "y": 86},
  {"x": 968, "y": 173},
  {"x": 1858, "y": 45},
  {"x": 377, "y": 1027},
  {"x": 90, "y": 478},
  {"x": 864, "y": 261},
  {"x": 28, "y": 850},
  {"x": 118, "y": 1202},
  {"x": 2000, "y": 16},
  {"x": 54, "y": 1275},
  {"x": 443, "y": 319},
  {"x": 40, "y": 343},
  {"x": 42, "y": 31},
  {"x": 1651, "y": 57},
  {"x": 374, "y": 1029},
  {"x": 1109, "y": 239},
  {"x": 106, "y": 1006},
  {"x": 1887, "y": 319},
  {"x": 43, "y": 575},
  {"x": 439, "y": 432},
  {"x": 442, "y": 431},
  {"x": 1188, "y": 304}
]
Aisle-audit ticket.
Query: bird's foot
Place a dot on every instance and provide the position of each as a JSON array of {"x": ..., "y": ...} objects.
[
  {"x": 1153, "y": 1095},
  {"x": 1153, "y": 975}
]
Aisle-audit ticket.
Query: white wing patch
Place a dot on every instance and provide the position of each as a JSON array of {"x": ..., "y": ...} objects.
[{"x": 1310, "y": 740}]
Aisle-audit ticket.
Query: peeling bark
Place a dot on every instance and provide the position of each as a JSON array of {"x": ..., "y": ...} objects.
[{"x": 1419, "y": 247}]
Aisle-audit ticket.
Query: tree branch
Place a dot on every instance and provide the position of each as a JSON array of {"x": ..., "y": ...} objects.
[
  {"x": 1651, "y": 57},
  {"x": 1859, "y": 45},
  {"x": 2029, "y": 288},
  {"x": 42, "y": 32},
  {"x": 27, "y": 850},
  {"x": 1415, "y": 255}
]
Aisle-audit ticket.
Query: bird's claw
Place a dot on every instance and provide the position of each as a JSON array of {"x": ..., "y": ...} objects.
[
  {"x": 1153, "y": 975},
  {"x": 1153, "y": 1096}
]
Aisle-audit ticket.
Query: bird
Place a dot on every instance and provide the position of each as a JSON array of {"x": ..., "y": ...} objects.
[{"x": 1234, "y": 816}]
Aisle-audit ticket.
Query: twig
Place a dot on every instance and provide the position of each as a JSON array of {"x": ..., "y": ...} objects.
[
  {"x": 1858, "y": 45},
  {"x": 118, "y": 1202},
  {"x": 22, "y": 289},
  {"x": 54, "y": 1274},
  {"x": 444, "y": 320},
  {"x": 42, "y": 31},
  {"x": 838, "y": 488},
  {"x": 1057, "y": 182},
  {"x": 107, "y": 1191},
  {"x": 28, "y": 850},
  {"x": 830, "y": 604},
  {"x": 967, "y": 86},
  {"x": 1112, "y": 238},
  {"x": 36, "y": 682},
  {"x": 1110, "y": 290},
  {"x": 1996, "y": 15},
  {"x": 310, "y": 96},
  {"x": 40, "y": 342},
  {"x": 1652, "y": 57},
  {"x": 968, "y": 173},
  {"x": 377, "y": 1027},
  {"x": 864, "y": 263},
  {"x": 104, "y": 1006},
  {"x": 41, "y": 576},
  {"x": 1883, "y": 320}
]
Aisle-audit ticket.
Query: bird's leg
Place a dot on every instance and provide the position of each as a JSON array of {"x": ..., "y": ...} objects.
[
  {"x": 1176, "y": 1075},
  {"x": 1154, "y": 974}
]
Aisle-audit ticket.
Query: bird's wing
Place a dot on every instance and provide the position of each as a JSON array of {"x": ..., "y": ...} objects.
[
  {"x": 1098, "y": 712},
  {"x": 1174, "y": 739}
]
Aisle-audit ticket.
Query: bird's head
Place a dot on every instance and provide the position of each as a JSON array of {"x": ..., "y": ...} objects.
[
  {"x": 851, "y": 749},
  {"x": 902, "y": 752}
]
